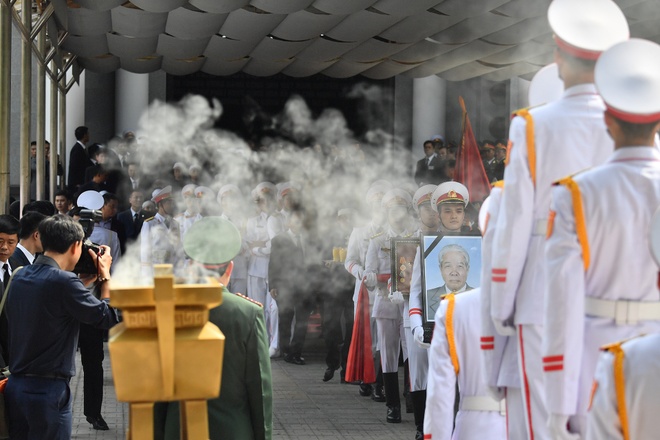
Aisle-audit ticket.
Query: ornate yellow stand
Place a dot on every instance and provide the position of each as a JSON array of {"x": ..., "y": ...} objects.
[{"x": 166, "y": 350}]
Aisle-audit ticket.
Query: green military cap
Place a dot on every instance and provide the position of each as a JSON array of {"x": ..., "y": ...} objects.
[{"x": 212, "y": 241}]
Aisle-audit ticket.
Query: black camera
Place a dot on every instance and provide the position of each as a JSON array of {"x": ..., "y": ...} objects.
[{"x": 86, "y": 264}]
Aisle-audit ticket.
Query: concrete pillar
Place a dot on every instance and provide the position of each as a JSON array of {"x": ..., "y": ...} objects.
[
  {"x": 518, "y": 91},
  {"x": 131, "y": 99},
  {"x": 5, "y": 104},
  {"x": 428, "y": 113},
  {"x": 75, "y": 115}
]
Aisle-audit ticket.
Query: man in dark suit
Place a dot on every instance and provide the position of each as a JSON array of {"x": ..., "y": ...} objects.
[
  {"x": 429, "y": 169},
  {"x": 29, "y": 243},
  {"x": 131, "y": 218},
  {"x": 9, "y": 230},
  {"x": 110, "y": 221},
  {"x": 454, "y": 264},
  {"x": 78, "y": 160},
  {"x": 288, "y": 280}
]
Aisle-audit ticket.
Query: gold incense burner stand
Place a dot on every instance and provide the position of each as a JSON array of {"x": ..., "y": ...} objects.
[{"x": 166, "y": 350}]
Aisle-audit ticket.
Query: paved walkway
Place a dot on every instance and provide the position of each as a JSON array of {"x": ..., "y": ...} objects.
[{"x": 304, "y": 406}]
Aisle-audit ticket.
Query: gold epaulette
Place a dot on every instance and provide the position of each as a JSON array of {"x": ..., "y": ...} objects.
[
  {"x": 149, "y": 219},
  {"x": 614, "y": 345},
  {"x": 377, "y": 235},
  {"x": 498, "y": 184},
  {"x": 570, "y": 176},
  {"x": 249, "y": 299},
  {"x": 620, "y": 385}
]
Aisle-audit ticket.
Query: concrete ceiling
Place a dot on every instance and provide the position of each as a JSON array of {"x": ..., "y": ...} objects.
[{"x": 454, "y": 39}]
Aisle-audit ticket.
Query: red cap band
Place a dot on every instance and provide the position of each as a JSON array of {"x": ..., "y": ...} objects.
[
  {"x": 576, "y": 51},
  {"x": 635, "y": 119},
  {"x": 425, "y": 198}
]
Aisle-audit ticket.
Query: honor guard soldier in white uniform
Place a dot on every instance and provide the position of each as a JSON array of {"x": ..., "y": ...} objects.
[
  {"x": 160, "y": 237},
  {"x": 208, "y": 205},
  {"x": 230, "y": 199},
  {"x": 626, "y": 389},
  {"x": 602, "y": 281},
  {"x": 548, "y": 143},
  {"x": 191, "y": 215},
  {"x": 454, "y": 359},
  {"x": 449, "y": 200},
  {"x": 258, "y": 240},
  {"x": 279, "y": 220},
  {"x": 387, "y": 309},
  {"x": 356, "y": 253},
  {"x": 498, "y": 353},
  {"x": 418, "y": 362}
]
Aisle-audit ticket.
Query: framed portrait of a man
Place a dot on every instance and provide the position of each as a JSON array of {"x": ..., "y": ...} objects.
[
  {"x": 402, "y": 258},
  {"x": 451, "y": 264}
]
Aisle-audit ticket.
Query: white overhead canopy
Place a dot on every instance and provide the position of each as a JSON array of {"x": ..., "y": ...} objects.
[{"x": 454, "y": 39}]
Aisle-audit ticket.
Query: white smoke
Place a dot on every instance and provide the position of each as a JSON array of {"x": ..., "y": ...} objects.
[{"x": 320, "y": 154}]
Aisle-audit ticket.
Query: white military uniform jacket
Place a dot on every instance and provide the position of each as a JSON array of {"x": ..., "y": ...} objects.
[
  {"x": 378, "y": 261},
  {"x": 599, "y": 254},
  {"x": 356, "y": 254},
  {"x": 159, "y": 243},
  {"x": 454, "y": 357},
  {"x": 256, "y": 230},
  {"x": 498, "y": 353},
  {"x": 185, "y": 221},
  {"x": 242, "y": 259},
  {"x": 570, "y": 135},
  {"x": 640, "y": 378}
]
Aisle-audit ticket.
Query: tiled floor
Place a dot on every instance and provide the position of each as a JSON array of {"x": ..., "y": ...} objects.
[{"x": 304, "y": 406}]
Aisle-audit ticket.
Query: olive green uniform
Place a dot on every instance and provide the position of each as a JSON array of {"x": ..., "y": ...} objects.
[{"x": 244, "y": 409}]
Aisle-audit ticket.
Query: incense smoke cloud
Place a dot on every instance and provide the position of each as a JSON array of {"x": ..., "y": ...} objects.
[{"x": 318, "y": 154}]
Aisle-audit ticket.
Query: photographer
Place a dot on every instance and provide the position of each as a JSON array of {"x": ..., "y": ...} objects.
[{"x": 44, "y": 306}]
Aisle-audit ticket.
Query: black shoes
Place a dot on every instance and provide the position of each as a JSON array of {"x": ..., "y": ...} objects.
[
  {"x": 294, "y": 359},
  {"x": 98, "y": 423},
  {"x": 394, "y": 414},
  {"x": 329, "y": 374},
  {"x": 378, "y": 395},
  {"x": 365, "y": 389}
]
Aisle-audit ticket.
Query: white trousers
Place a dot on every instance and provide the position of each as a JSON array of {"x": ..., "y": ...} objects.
[
  {"x": 531, "y": 375},
  {"x": 515, "y": 414},
  {"x": 389, "y": 341},
  {"x": 418, "y": 363}
]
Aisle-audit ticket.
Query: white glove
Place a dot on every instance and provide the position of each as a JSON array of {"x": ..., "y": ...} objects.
[
  {"x": 418, "y": 336},
  {"x": 370, "y": 280},
  {"x": 503, "y": 328},
  {"x": 396, "y": 297},
  {"x": 558, "y": 425},
  {"x": 360, "y": 273},
  {"x": 497, "y": 393}
]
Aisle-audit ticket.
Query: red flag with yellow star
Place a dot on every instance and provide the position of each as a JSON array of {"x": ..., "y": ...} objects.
[{"x": 469, "y": 166}]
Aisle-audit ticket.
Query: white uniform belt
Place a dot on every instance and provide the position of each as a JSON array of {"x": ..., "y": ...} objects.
[
  {"x": 483, "y": 403},
  {"x": 623, "y": 312},
  {"x": 540, "y": 227}
]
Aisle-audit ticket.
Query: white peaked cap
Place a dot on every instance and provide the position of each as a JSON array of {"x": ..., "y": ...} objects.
[
  {"x": 188, "y": 190},
  {"x": 229, "y": 188},
  {"x": 396, "y": 197},
  {"x": 376, "y": 193},
  {"x": 204, "y": 192},
  {"x": 450, "y": 192},
  {"x": 423, "y": 195},
  {"x": 628, "y": 78},
  {"x": 546, "y": 86},
  {"x": 586, "y": 28}
]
